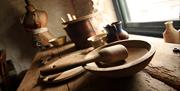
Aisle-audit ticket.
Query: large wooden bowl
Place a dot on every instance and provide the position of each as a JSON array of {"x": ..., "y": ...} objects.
[{"x": 140, "y": 54}]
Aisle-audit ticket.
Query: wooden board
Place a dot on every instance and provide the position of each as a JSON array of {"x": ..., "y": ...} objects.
[
  {"x": 165, "y": 66},
  {"x": 139, "y": 82},
  {"x": 30, "y": 81},
  {"x": 142, "y": 81}
]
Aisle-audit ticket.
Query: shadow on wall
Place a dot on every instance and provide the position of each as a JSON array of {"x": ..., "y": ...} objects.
[{"x": 15, "y": 40}]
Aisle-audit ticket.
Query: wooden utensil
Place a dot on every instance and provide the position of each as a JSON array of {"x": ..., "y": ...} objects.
[{"x": 108, "y": 55}]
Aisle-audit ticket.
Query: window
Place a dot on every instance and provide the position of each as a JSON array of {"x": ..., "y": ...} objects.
[{"x": 147, "y": 17}]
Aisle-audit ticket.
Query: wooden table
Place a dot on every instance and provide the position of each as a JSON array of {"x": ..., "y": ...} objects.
[{"x": 162, "y": 74}]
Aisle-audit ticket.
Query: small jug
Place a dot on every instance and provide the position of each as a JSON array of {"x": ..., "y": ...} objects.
[
  {"x": 111, "y": 33},
  {"x": 115, "y": 32},
  {"x": 122, "y": 34},
  {"x": 171, "y": 35}
]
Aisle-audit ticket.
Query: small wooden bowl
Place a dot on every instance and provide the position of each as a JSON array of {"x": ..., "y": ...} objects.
[
  {"x": 59, "y": 41},
  {"x": 97, "y": 40},
  {"x": 140, "y": 54}
]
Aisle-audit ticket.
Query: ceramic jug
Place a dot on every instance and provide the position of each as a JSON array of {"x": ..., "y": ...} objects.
[
  {"x": 122, "y": 34},
  {"x": 111, "y": 33},
  {"x": 171, "y": 35},
  {"x": 115, "y": 32}
]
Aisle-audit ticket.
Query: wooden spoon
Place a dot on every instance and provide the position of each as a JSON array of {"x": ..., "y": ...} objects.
[{"x": 108, "y": 55}]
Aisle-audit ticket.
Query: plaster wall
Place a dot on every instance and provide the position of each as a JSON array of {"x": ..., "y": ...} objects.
[{"x": 18, "y": 43}]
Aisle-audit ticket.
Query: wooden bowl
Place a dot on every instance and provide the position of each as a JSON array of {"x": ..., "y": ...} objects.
[
  {"x": 140, "y": 54},
  {"x": 59, "y": 41},
  {"x": 97, "y": 40}
]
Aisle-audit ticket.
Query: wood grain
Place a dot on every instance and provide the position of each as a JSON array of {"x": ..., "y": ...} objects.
[
  {"x": 139, "y": 82},
  {"x": 30, "y": 81},
  {"x": 142, "y": 81},
  {"x": 165, "y": 65}
]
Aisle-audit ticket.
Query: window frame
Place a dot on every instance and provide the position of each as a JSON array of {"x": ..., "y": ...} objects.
[{"x": 143, "y": 28}]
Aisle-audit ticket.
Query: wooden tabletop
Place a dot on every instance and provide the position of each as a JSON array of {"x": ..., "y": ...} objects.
[{"x": 162, "y": 74}]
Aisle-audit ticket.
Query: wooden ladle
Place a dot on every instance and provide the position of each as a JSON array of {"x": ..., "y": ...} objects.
[{"x": 107, "y": 55}]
